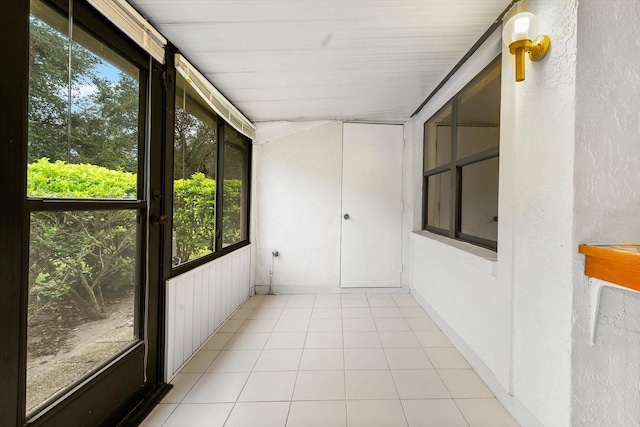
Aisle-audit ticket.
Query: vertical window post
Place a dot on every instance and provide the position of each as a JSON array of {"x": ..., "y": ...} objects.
[{"x": 220, "y": 185}]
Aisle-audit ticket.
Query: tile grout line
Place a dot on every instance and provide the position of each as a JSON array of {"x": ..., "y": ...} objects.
[
  {"x": 295, "y": 382},
  {"x": 404, "y": 414},
  {"x": 254, "y": 364},
  {"x": 166, "y": 419},
  {"x": 245, "y": 383},
  {"x": 461, "y": 413},
  {"x": 344, "y": 363},
  {"x": 424, "y": 349}
]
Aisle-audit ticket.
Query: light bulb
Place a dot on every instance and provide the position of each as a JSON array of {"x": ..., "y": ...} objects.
[{"x": 523, "y": 26}]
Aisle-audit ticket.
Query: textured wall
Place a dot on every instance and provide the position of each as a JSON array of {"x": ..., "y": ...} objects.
[
  {"x": 298, "y": 196},
  {"x": 606, "y": 377},
  {"x": 540, "y": 136}
]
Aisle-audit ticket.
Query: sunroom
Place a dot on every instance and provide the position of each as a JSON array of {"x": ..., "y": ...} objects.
[{"x": 320, "y": 212}]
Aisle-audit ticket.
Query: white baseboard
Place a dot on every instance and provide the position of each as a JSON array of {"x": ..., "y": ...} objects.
[
  {"x": 510, "y": 402},
  {"x": 330, "y": 289}
]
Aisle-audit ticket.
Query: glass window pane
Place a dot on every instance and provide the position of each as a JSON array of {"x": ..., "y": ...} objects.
[
  {"x": 82, "y": 286},
  {"x": 479, "y": 114},
  {"x": 83, "y": 110},
  {"x": 437, "y": 136},
  {"x": 234, "y": 223},
  {"x": 439, "y": 200},
  {"x": 479, "y": 205},
  {"x": 194, "y": 168}
]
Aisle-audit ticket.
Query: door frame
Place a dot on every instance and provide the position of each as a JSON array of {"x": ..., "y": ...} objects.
[{"x": 14, "y": 87}]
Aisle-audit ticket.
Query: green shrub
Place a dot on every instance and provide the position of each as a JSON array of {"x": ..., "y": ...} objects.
[
  {"x": 193, "y": 216},
  {"x": 232, "y": 211},
  {"x": 81, "y": 254},
  {"x": 59, "y": 179}
]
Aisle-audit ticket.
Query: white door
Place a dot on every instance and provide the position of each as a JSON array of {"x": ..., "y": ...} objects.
[{"x": 371, "y": 206}]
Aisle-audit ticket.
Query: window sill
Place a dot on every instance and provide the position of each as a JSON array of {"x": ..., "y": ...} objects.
[{"x": 481, "y": 259}]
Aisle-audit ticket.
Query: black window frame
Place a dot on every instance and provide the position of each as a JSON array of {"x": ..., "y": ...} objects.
[
  {"x": 82, "y": 402},
  {"x": 455, "y": 167},
  {"x": 246, "y": 187},
  {"x": 218, "y": 250},
  {"x": 103, "y": 32}
]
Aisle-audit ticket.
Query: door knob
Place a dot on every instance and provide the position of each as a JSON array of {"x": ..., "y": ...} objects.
[{"x": 346, "y": 216}]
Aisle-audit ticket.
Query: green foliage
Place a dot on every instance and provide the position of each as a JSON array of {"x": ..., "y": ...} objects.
[
  {"x": 105, "y": 124},
  {"x": 195, "y": 165},
  {"x": 46, "y": 179},
  {"x": 83, "y": 142},
  {"x": 235, "y": 150},
  {"x": 76, "y": 114},
  {"x": 80, "y": 253},
  {"x": 49, "y": 86},
  {"x": 195, "y": 145},
  {"x": 82, "y": 109},
  {"x": 193, "y": 216},
  {"x": 232, "y": 213}
]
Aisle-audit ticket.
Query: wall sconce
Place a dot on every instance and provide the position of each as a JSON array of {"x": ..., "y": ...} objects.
[{"x": 521, "y": 35}]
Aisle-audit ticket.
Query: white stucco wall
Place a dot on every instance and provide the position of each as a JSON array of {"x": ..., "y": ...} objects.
[
  {"x": 452, "y": 281},
  {"x": 606, "y": 377},
  {"x": 298, "y": 168}
]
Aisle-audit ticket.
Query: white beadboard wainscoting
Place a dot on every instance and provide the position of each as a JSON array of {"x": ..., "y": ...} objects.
[{"x": 199, "y": 301}]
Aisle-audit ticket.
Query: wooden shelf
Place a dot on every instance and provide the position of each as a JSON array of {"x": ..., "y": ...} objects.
[{"x": 619, "y": 264}]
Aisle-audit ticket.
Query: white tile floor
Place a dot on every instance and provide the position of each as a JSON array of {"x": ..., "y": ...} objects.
[{"x": 332, "y": 360}]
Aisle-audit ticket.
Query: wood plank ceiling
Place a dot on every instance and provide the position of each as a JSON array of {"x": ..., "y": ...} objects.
[{"x": 370, "y": 60}]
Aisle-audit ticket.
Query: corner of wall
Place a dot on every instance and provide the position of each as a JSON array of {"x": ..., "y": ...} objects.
[{"x": 408, "y": 213}]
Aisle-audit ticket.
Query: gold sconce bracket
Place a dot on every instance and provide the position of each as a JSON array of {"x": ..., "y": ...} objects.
[{"x": 537, "y": 50}]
